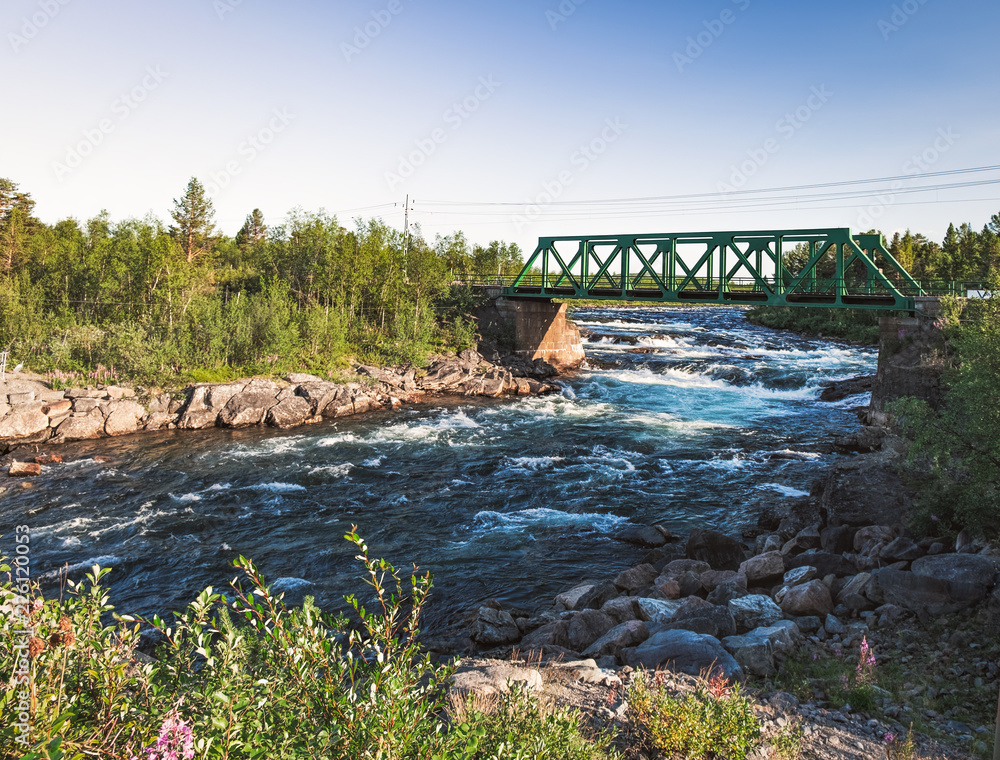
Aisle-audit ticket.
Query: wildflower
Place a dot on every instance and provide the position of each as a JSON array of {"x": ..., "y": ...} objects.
[
  {"x": 815, "y": 655},
  {"x": 175, "y": 741},
  {"x": 934, "y": 518},
  {"x": 889, "y": 738}
]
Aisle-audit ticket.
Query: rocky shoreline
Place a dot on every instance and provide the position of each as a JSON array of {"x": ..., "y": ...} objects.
[
  {"x": 814, "y": 579},
  {"x": 32, "y": 412}
]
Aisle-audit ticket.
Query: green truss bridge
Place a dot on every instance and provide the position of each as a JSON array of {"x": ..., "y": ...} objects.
[{"x": 824, "y": 268}]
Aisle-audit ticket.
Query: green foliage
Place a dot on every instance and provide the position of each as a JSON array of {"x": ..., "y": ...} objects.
[
  {"x": 241, "y": 675},
  {"x": 518, "y": 726},
  {"x": 787, "y": 743},
  {"x": 960, "y": 443},
  {"x": 713, "y": 721},
  {"x": 849, "y": 324}
]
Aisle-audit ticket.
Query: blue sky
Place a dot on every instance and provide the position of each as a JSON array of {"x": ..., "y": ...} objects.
[{"x": 350, "y": 107}]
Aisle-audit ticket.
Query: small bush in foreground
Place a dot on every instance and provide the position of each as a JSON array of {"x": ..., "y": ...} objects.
[
  {"x": 713, "y": 721},
  {"x": 248, "y": 677}
]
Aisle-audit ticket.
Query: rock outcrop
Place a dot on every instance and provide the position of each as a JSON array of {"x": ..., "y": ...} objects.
[{"x": 30, "y": 412}]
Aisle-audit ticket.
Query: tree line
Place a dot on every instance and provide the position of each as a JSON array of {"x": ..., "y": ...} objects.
[{"x": 150, "y": 302}]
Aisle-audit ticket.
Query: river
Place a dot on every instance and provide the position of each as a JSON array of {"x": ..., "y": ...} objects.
[{"x": 688, "y": 417}]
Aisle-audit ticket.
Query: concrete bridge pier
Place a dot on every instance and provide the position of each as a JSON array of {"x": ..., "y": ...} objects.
[
  {"x": 912, "y": 354},
  {"x": 533, "y": 329}
]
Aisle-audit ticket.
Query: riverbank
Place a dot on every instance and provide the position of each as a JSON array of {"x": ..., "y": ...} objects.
[{"x": 36, "y": 413}]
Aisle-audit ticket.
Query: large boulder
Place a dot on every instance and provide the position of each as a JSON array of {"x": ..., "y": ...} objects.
[
  {"x": 824, "y": 562},
  {"x": 628, "y": 634},
  {"x": 937, "y": 585},
  {"x": 289, "y": 413},
  {"x": 124, "y": 417},
  {"x": 493, "y": 677},
  {"x": 494, "y": 627},
  {"x": 247, "y": 408},
  {"x": 554, "y": 634},
  {"x": 79, "y": 428},
  {"x": 635, "y": 578},
  {"x": 812, "y": 598},
  {"x": 855, "y": 492},
  {"x": 643, "y": 535},
  {"x": 720, "y": 551},
  {"x": 755, "y": 650},
  {"x": 656, "y": 612},
  {"x": 754, "y": 611},
  {"x": 622, "y": 608},
  {"x": 26, "y": 424},
  {"x": 705, "y": 618},
  {"x": 764, "y": 569},
  {"x": 587, "y": 627},
  {"x": 685, "y": 652}
]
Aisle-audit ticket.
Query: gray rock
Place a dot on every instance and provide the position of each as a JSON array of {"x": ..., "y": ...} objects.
[
  {"x": 975, "y": 573},
  {"x": 902, "y": 548},
  {"x": 856, "y": 491},
  {"x": 812, "y": 598},
  {"x": 642, "y": 535},
  {"x": 635, "y": 578},
  {"x": 247, "y": 408},
  {"x": 587, "y": 627},
  {"x": 551, "y": 634},
  {"x": 597, "y": 596},
  {"x": 494, "y": 628},
  {"x": 797, "y": 575},
  {"x": 685, "y": 652},
  {"x": 124, "y": 417},
  {"x": 834, "y": 626},
  {"x": 754, "y": 611},
  {"x": 720, "y": 551},
  {"x": 837, "y": 540},
  {"x": 824, "y": 562},
  {"x": 493, "y": 677},
  {"x": 26, "y": 424},
  {"x": 622, "y": 609},
  {"x": 725, "y": 592},
  {"x": 754, "y": 651},
  {"x": 570, "y": 600},
  {"x": 628, "y": 634},
  {"x": 805, "y": 539},
  {"x": 711, "y": 620},
  {"x": 289, "y": 413},
  {"x": 79, "y": 429},
  {"x": 656, "y": 612},
  {"x": 764, "y": 569}
]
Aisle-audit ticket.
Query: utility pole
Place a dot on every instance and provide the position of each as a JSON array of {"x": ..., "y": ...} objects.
[{"x": 406, "y": 232}]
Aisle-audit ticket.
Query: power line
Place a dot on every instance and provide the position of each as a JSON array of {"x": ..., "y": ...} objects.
[{"x": 659, "y": 198}]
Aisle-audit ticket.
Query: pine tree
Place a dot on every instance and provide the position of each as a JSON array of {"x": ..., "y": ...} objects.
[
  {"x": 193, "y": 214},
  {"x": 252, "y": 232}
]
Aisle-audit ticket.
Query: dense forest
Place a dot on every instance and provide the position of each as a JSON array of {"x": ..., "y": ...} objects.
[
  {"x": 137, "y": 300},
  {"x": 141, "y": 301}
]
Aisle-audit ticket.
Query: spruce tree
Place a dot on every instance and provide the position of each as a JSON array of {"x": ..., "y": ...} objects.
[{"x": 193, "y": 214}]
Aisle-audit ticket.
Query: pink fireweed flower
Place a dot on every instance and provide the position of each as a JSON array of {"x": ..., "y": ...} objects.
[
  {"x": 175, "y": 741},
  {"x": 889, "y": 738}
]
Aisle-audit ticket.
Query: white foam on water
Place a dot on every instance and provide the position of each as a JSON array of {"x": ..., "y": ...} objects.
[
  {"x": 275, "y": 487},
  {"x": 533, "y": 464},
  {"x": 219, "y": 487},
  {"x": 543, "y": 517},
  {"x": 790, "y": 454},
  {"x": 270, "y": 447},
  {"x": 184, "y": 498},
  {"x": 374, "y": 461},
  {"x": 142, "y": 517},
  {"x": 669, "y": 421},
  {"x": 288, "y": 584},
  {"x": 334, "y": 440},
  {"x": 336, "y": 470},
  {"x": 784, "y": 490},
  {"x": 105, "y": 560}
]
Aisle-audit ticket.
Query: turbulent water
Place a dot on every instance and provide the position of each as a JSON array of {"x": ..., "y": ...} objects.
[{"x": 688, "y": 417}]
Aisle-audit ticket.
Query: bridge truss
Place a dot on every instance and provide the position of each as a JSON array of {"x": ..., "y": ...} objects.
[{"x": 815, "y": 267}]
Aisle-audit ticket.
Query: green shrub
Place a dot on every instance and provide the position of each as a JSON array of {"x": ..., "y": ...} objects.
[{"x": 713, "y": 721}]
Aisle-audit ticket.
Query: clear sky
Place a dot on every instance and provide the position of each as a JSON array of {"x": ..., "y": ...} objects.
[{"x": 471, "y": 107}]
